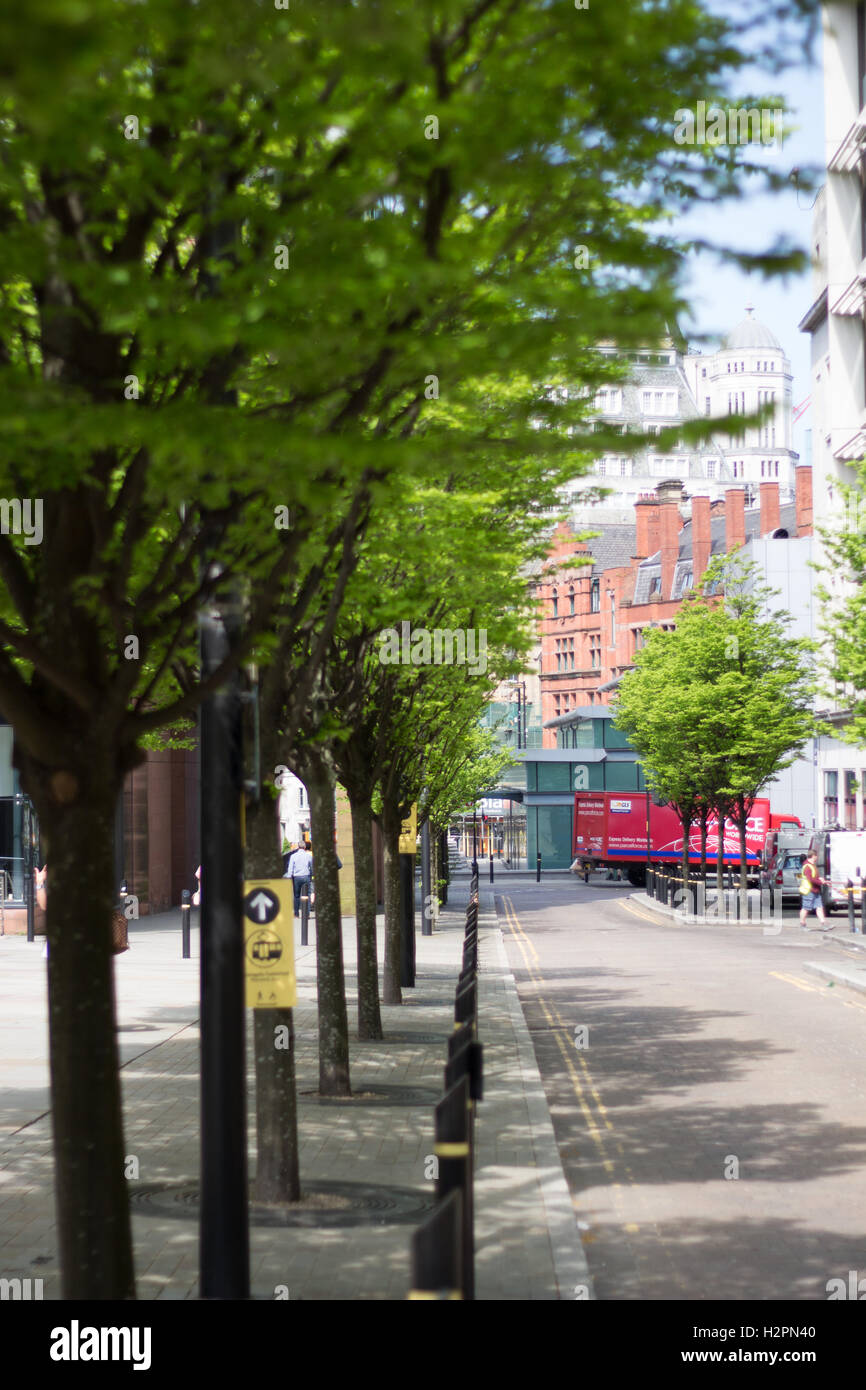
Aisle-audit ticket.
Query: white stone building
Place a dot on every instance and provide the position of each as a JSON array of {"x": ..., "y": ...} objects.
[
  {"x": 750, "y": 370},
  {"x": 667, "y": 387},
  {"x": 294, "y": 810},
  {"x": 836, "y": 321}
]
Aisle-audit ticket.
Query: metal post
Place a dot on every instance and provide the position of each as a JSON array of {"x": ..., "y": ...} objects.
[
  {"x": 305, "y": 919},
  {"x": 184, "y": 923},
  {"x": 426, "y": 894},
  {"x": 224, "y": 1232},
  {"x": 490, "y": 847},
  {"x": 849, "y": 888},
  {"x": 538, "y": 867},
  {"x": 407, "y": 920}
]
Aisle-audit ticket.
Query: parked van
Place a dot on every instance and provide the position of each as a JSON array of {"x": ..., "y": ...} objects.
[
  {"x": 782, "y": 845},
  {"x": 841, "y": 859}
]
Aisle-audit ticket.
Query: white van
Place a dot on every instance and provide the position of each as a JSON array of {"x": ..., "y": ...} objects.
[
  {"x": 841, "y": 860},
  {"x": 781, "y": 845}
]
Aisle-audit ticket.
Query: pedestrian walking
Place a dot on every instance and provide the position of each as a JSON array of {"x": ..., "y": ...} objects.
[
  {"x": 810, "y": 891},
  {"x": 300, "y": 871}
]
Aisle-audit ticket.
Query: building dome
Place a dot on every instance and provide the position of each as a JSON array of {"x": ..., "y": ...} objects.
[{"x": 750, "y": 334}]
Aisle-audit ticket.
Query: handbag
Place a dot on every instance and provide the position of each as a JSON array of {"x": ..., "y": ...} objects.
[{"x": 119, "y": 932}]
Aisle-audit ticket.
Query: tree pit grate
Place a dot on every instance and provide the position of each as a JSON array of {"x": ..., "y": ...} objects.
[
  {"x": 328, "y": 1204},
  {"x": 379, "y": 1095}
]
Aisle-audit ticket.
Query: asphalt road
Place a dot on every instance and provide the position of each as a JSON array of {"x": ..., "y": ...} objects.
[{"x": 708, "y": 1095}]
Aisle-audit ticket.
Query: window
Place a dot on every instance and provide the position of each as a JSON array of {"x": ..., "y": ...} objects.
[
  {"x": 831, "y": 798},
  {"x": 658, "y": 402},
  {"x": 711, "y": 468},
  {"x": 776, "y": 465},
  {"x": 608, "y": 400},
  {"x": 703, "y": 371},
  {"x": 555, "y": 601},
  {"x": 594, "y": 597},
  {"x": 571, "y": 653},
  {"x": 850, "y": 800},
  {"x": 612, "y": 598},
  {"x": 595, "y": 650},
  {"x": 571, "y": 600},
  {"x": 706, "y": 405}
]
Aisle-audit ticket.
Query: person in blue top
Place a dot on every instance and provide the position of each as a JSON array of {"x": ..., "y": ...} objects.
[{"x": 300, "y": 871}]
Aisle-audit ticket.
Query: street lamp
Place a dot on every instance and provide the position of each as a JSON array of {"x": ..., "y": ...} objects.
[{"x": 520, "y": 690}]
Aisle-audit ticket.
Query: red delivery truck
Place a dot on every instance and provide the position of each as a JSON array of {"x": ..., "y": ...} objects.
[{"x": 610, "y": 828}]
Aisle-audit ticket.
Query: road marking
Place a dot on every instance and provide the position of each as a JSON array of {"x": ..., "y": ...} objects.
[
  {"x": 797, "y": 982},
  {"x": 577, "y": 1087},
  {"x": 629, "y": 1227},
  {"x": 656, "y": 921},
  {"x": 823, "y": 990}
]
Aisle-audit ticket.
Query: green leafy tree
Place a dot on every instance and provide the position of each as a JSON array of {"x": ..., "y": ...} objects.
[{"x": 720, "y": 705}]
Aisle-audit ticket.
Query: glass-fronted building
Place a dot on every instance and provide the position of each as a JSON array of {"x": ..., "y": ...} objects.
[{"x": 592, "y": 756}]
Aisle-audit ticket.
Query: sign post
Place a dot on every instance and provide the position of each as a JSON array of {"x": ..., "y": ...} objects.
[
  {"x": 269, "y": 944},
  {"x": 408, "y": 837}
]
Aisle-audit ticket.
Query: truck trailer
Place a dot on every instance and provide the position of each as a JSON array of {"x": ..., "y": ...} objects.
[{"x": 623, "y": 830}]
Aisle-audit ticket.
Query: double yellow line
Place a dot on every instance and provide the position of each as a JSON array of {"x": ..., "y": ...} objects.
[
  {"x": 581, "y": 1080},
  {"x": 813, "y": 987}
]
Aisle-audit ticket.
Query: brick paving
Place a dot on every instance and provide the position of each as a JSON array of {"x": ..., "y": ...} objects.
[{"x": 527, "y": 1242}]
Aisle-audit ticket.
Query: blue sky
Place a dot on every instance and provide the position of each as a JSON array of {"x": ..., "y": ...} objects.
[{"x": 719, "y": 293}]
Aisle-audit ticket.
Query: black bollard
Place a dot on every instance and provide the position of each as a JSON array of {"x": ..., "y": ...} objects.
[
  {"x": 437, "y": 1252},
  {"x": 538, "y": 867},
  {"x": 849, "y": 889},
  {"x": 184, "y": 923},
  {"x": 305, "y": 919}
]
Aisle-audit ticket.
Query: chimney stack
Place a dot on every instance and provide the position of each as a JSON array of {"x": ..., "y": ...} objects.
[
  {"x": 735, "y": 517},
  {"x": 803, "y": 498},
  {"x": 701, "y": 537},
  {"x": 770, "y": 521},
  {"x": 670, "y": 525},
  {"x": 646, "y": 526}
]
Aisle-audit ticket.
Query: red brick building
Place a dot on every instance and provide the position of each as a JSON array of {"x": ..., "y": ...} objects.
[{"x": 599, "y": 596}]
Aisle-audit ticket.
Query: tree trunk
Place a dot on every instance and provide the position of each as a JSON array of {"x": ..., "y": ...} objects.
[
  {"x": 369, "y": 1014},
  {"x": 742, "y": 817},
  {"x": 687, "y": 825},
  {"x": 703, "y": 847},
  {"x": 318, "y": 777},
  {"x": 76, "y": 814},
  {"x": 277, "y": 1167},
  {"x": 391, "y": 822}
]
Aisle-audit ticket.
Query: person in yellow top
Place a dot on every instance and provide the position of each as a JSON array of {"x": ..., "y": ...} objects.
[{"x": 810, "y": 888}]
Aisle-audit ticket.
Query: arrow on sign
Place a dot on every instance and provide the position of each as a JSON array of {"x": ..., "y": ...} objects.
[{"x": 261, "y": 905}]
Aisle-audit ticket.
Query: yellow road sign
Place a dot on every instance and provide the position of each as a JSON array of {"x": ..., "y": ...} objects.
[
  {"x": 269, "y": 944},
  {"x": 409, "y": 832}
]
